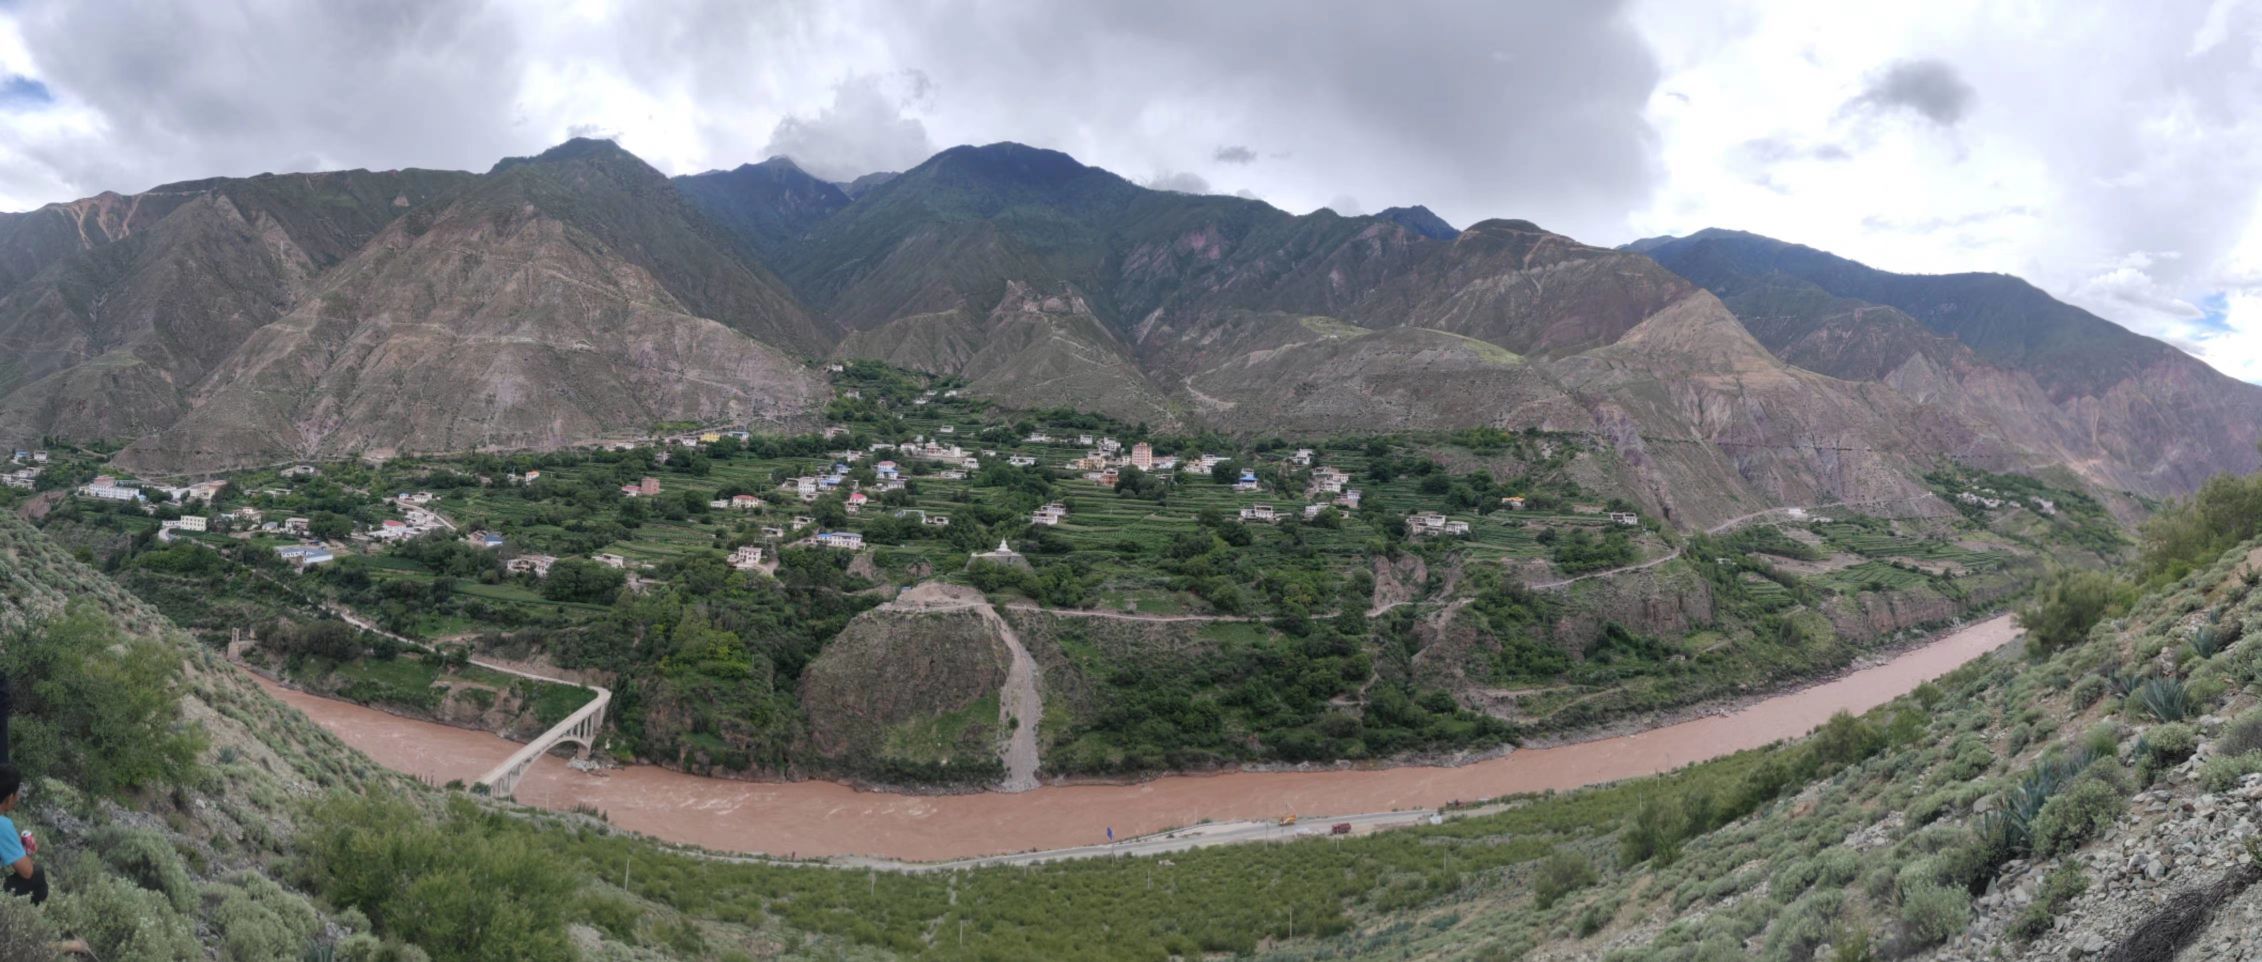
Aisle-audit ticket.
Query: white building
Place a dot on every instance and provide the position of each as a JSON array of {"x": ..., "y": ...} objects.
[
  {"x": 107, "y": 488},
  {"x": 844, "y": 540},
  {"x": 187, "y": 522},
  {"x": 1259, "y": 512},
  {"x": 537, "y": 565},
  {"x": 1049, "y": 515},
  {"x": 746, "y": 558}
]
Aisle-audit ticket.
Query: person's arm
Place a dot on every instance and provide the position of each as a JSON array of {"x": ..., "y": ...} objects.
[{"x": 23, "y": 867}]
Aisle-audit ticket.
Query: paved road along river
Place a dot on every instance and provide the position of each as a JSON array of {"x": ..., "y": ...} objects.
[{"x": 823, "y": 818}]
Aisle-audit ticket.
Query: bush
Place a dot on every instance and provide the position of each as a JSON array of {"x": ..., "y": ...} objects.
[
  {"x": 259, "y": 922},
  {"x": 2068, "y": 606},
  {"x": 1930, "y": 912},
  {"x": 2166, "y": 745},
  {"x": 475, "y": 889},
  {"x": 2059, "y": 888},
  {"x": 1561, "y": 874},
  {"x": 25, "y": 931},
  {"x": 119, "y": 920},
  {"x": 2075, "y": 816},
  {"x": 2086, "y": 692},
  {"x": 2221, "y": 773},
  {"x": 2242, "y": 735},
  {"x": 364, "y": 947},
  {"x": 1654, "y": 832},
  {"x": 96, "y": 707},
  {"x": 148, "y": 860}
]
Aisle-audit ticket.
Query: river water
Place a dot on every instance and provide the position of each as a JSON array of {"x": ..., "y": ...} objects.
[{"x": 815, "y": 818}]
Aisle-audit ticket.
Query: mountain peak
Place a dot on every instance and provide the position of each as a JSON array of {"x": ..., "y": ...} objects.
[
  {"x": 578, "y": 149},
  {"x": 1008, "y": 161},
  {"x": 1421, "y": 221}
]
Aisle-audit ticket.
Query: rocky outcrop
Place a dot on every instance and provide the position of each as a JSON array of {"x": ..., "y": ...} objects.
[{"x": 890, "y": 671}]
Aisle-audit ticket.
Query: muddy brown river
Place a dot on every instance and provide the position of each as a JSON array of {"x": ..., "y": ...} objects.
[{"x": 824, "y": 818}]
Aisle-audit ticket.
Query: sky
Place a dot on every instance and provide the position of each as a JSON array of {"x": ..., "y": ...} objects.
[{"x": 2107, "y": 152}]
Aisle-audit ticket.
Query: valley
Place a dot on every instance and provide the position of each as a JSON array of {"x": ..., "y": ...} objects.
[
  {"x": 1004, "y": 560},
  {"x": 837, "y": 605}
]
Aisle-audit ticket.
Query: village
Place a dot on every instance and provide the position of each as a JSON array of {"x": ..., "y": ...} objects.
[
  {"x": 934, "y": 485},
  {"x": 917, "y": 482}
]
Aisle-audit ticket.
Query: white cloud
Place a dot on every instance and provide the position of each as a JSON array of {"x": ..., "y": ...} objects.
[{"x": 2113, "y": 156}]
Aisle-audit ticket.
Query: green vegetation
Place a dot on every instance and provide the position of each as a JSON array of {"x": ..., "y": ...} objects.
[
  {"x": 2068, "y": 606},
  {"x": 95, "y": 706}
]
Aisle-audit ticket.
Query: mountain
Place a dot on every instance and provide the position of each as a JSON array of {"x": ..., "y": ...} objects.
[
  {"x": 580, "y": 294},
  {"x": 765, "y": 206},
  {"x": 121, "y": 302},
  {"x": 557, "y": 298},
  {"x": 1419, "y": 220},
  {"x": 2068, "y": 387},
  {"x": 863, "y": 185}
]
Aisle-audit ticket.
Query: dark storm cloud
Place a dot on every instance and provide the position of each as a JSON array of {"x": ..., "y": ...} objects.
[
  {"x": 1478, "y": 110},
  {"x": 863, "y": 130},
  {"x": 195, "y": 89},
  {"x": 1234, "y": 154},
  {"x": 1931, "y": 88}
]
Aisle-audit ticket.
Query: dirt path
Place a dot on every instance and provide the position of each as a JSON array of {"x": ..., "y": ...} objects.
[
  {"x": 1129, "y": 616},
  {"x": 1020, "y": 707}
]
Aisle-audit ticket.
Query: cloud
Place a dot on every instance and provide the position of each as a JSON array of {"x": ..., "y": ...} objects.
[
  {"x": 156, "y": 93},
  {"x": 1930, "y": 87},
  {"x": 863, "y": 130},
  {"x": 1509, "y": 110},
  {"x": 1234, "y": 154},
  {"x": 1181, "y": 182},
  {"x": 1347, "y": 206}
]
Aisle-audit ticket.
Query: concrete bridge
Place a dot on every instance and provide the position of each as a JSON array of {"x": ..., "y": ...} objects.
[{"x": 579, "y": 728}]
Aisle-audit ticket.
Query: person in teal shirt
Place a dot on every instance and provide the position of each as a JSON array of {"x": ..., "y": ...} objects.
[{"x": 22, "y": 875}]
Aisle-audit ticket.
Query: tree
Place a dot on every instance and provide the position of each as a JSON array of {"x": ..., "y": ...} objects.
[
  {"x": 329, "y": 525},
  {"x": 580, "y": 579},
  {"x": 2068, "y": 606}
]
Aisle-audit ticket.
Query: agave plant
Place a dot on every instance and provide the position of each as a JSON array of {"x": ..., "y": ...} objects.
[
  {"x": 2121, "y": 683},
  {"x": 2164, "y": 698},
  {"x": 2205, "y": 641},
  {"x": 2008, "y": 828}
]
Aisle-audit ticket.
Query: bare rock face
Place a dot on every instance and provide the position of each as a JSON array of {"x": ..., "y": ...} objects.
[{"x": 504, "y": 319}]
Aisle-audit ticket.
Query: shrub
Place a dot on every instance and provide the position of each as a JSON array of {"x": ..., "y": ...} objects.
[
  {"x": 25, "y": 932},
  {"x": 1561, "y": 874},
  {"x": 1653, "y": 832},
  {"x": 1930, "y": 912},
  {"x": 2086, "y": 692},
  {"x": 2221, "y": 773},
  {"x": 2059, "y": 888},
  {"x": 2164, "y": 699},
  {"x": 2242, "y": 735},
  {"x": 96, "y": 707},
  {"x": 475, "y": 889},
  {"x": 2075, "y": 816},
  {"x": 2068, "y": 606},
  {"x": 148, "y": 860},
  {"x": 2165, "y": 745},
  {"x": 260, "y": 922},
  {"x": 119, "y": 920},
  {"x": 364, "y": 947}
]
